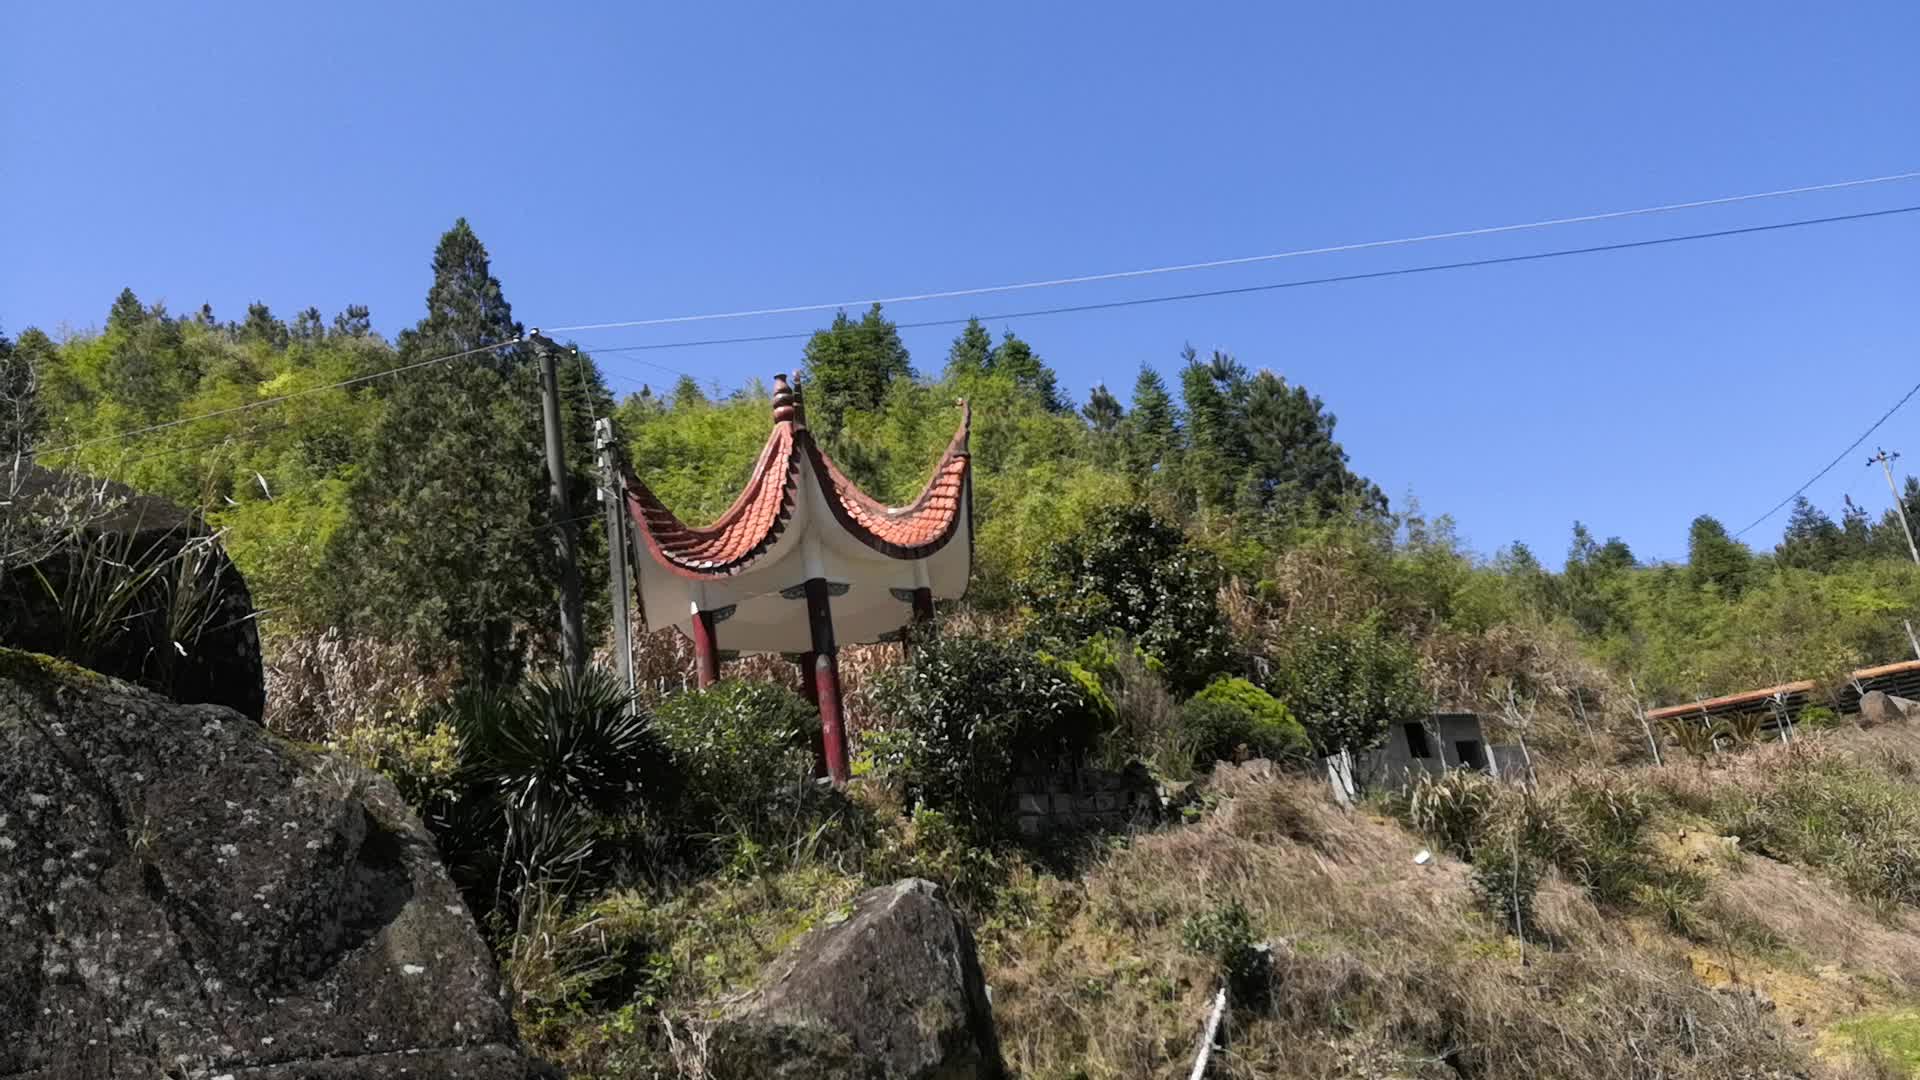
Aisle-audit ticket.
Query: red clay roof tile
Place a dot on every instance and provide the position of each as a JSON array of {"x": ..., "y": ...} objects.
[{"x": 760, "y": 513}]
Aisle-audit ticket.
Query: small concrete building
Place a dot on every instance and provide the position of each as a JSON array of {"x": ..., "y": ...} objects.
[{"x": 1441, "y": 741}]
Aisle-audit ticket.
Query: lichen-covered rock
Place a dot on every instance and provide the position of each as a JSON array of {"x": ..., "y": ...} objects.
[
  {"x": 183, "y": 895},
  {"x": 891, "y": 992},
  {"x": 188, "y": 628}
]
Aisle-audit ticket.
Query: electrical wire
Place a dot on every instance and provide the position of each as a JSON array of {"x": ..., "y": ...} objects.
[
  {"x": 1297, "y": 283},
  {"x": 1036, "y": 313},
  {"x": 1842, "y": 456},
  {"x": 1246, "y": 260}
]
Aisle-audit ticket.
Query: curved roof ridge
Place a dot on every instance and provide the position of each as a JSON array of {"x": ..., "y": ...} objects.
[
  {"x": 744, "y": 530},
  {"x": 922, "y": 526}
]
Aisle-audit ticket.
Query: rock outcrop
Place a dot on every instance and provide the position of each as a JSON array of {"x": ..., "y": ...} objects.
[
  {"x": 143, "y": 592},
  {"x": 183, "y": 895},
  {"x": 891, "y": 992},
  {"x": 1879, "y": 707}
]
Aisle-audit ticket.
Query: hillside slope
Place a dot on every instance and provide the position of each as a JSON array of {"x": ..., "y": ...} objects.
[{"x": 1727, "y": 960}]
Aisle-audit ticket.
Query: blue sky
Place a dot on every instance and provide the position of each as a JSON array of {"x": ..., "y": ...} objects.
[{"x": 626, "y": 161}]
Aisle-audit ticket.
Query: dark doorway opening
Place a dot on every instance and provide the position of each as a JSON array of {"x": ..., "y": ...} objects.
[
  {"x": 1471, "y": 753},
  {"x": 1417, "y": 744}
]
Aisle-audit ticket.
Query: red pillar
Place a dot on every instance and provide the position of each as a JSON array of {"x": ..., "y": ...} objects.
[
  {"x": 826, "y": 680},
  {"x": 810, "y": 689},
  {"x": 706, "y": 649}
]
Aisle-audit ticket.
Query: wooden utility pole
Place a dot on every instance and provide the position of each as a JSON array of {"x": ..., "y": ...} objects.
[
  {"x": 1886, "y": 461},
  {"x": 573, "y": 634},
  {"x": 613, "y": 495}
]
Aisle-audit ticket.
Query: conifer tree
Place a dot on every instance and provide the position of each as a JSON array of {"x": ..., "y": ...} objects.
[
  {"x": 1153, "y": 424},
  {"x": 1016, "y": 360},
  {"x": 1811, "y": 541},
  {"x": 972, "y": 351},
  {"x": 447, "y": 539},
  {"x": 850, "y": 365},
  {"x": 1295, "y": 460},
  {"x": 1102, "y": 410},
  {"x": 1716, "y": 559}
]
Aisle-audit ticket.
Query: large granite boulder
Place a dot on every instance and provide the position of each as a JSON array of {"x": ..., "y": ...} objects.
[
  {"x": 891, "y": 992},
  {"x": 184, "y": 895},
  {"x": 184, "y": 627},
  {"x": 1879, "y": 707}
]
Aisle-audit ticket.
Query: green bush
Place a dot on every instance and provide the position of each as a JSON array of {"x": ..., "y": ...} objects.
[
  {"x": 1350, "y": 685},
  {"x": 1233, "y": 719},
  {"x": 421, "y": 757},
  {"x": 1130, "y": 572},
  {"x": 959, "y": 721},
  {"x": 736, "y": 744},
  {"x": 1225, "y": 936}
]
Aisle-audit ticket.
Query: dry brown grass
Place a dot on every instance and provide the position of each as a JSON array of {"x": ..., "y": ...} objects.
[
  {"x": 1382, "y": 967},
  {"x": 322, "y": 686}
]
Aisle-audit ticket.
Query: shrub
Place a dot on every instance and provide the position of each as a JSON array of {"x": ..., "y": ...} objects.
[
  {"x": 1451, "y": 809},
  {"x": 1130, "y": 572},
  {"x": 736, "y": 744},
  {"x": 1225, "y": 935},
  {"x": 421, "y": 757},
  {"x": 1349, "y": 685},
  {"x": 539, "y": 766},
  {"x": 1232, "y": 719},
  {"x": 1506, "y": 876},
  {"x": 1146, "y": 719},
  {"x": 966, "y": 713}
]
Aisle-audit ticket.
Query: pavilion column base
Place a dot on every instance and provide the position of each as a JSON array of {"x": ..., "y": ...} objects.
[{"x": 826, "y": 680}]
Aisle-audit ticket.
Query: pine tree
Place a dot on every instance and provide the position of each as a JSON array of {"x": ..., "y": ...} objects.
[
  {"x": 1152, "y": 429},
  {"x": 356, "y": 321},
  {"x": 1295, "y": 460},
  {"x": 1215, "y": 392},
  {"x": 972, "y": 351},
  {"x": 1016, "y": 360},
  {"x": 1811, "y": 540},
  {"x": 126, "y": 313},
  {"x": 447, "y": 537},
  {"x": 850, "y": 365},
  {"x": 1715, "y": 559},
  {"x": 1102, "y": 411}
]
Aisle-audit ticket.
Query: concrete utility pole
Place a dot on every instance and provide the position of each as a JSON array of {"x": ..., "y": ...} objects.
[
  {"x": 573, "y": 635},
  {"x": 1886, "y": 461},
  {"x": 613, "y": 494}
]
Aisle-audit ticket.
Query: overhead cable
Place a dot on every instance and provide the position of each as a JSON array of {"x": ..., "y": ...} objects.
[{"x": 1245, "y": 260}]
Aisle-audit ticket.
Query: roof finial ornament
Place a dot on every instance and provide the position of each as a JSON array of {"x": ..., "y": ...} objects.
[{"x": 786, "y": 401}]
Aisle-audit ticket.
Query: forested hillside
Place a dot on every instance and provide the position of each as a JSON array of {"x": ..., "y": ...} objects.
[
  {"x": 407, "y": 508},
  {"x": 1194, "y": 575}
]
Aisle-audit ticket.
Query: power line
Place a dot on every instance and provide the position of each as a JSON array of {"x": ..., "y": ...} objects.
[
  {"x": 1245, "y": 260},
  {"x": 1035, "y": 313},
  {"x": 1838, "y": 458},
  {"x": 1405, "y": 271}
]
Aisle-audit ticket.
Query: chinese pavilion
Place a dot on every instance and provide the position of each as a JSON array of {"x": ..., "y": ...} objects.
[{"x": 804, "y": 561}]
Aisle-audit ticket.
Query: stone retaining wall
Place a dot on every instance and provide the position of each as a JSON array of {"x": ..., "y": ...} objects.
[{"x": 1063, "y": 797}]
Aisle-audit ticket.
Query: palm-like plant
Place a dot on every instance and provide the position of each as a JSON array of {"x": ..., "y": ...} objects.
[
  {"x": 1699, "y": 737},
  {"x": 539, "y": 765}
]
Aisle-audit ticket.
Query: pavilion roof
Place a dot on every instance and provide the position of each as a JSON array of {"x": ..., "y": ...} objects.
[{"x": 762, "y": 510}]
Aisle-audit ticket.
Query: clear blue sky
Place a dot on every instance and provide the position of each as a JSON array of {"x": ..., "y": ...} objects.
[{"x": 627, "y": 161}]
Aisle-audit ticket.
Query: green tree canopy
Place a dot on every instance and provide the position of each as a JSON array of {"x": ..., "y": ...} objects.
[{"x": 849, "y": 366}]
